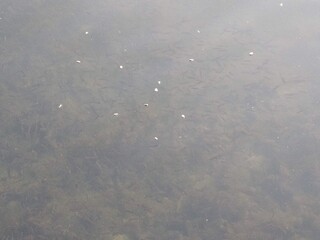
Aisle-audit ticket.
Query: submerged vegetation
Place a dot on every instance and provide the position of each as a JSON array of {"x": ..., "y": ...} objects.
[
  {"x": 67, "y": 175},
  {"x": 225, "y": 149}
]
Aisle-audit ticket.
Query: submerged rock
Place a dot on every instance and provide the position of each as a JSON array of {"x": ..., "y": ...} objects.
[{"x": 120, "y": 237}]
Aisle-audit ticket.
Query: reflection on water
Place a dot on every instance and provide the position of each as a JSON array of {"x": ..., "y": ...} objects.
[{"x": 227, "y": 148}]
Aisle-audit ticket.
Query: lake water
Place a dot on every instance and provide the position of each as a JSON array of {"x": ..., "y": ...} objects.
[{"x": 159, "y": 120}]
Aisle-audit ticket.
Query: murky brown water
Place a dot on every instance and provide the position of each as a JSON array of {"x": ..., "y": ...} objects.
[{"x": 159, "y": 120}]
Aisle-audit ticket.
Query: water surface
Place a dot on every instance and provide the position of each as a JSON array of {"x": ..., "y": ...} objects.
[{"x": 227, "y": 148}]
